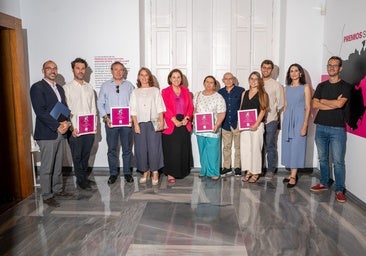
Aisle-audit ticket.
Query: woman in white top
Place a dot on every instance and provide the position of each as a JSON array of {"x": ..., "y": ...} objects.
[{"x": 146, "y": 109}]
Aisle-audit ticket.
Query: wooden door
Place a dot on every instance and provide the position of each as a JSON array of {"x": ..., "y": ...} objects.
[{"x": 16, "y": 181}]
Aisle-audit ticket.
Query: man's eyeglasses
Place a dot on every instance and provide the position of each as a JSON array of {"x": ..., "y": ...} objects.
[
  {"x": 332, "y": 66},
  {"x": 117, "y": 88}
]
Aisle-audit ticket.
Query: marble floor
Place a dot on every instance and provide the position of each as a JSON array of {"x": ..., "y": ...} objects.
[{"x": 195, "y": 216}]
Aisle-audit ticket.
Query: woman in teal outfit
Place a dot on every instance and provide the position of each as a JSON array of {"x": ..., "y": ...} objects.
[{"x": 209, "y": 100}]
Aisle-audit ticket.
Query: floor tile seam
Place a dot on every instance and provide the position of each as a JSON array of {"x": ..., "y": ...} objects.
[
  {"x": 77, "y": 214},
  {"x": 180, "y": 234},
  {"x": 166, "y": 230},
  {"x": 183, "y": 246},
  {"x": 189, "y": 249}
]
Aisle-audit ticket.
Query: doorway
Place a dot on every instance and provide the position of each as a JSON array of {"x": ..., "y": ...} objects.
[{"x": 16, "y": 181}]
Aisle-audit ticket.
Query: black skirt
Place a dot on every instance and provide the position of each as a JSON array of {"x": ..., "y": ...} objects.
[{"x": 177, "y": 150}]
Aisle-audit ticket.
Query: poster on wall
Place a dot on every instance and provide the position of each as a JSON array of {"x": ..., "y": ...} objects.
[
  {"x": 349, "y": 44},
  {"x": 354, "y": 72},
  {"x": 102, "y": 68}
]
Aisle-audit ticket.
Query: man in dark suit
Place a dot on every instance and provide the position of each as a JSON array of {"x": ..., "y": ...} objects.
[{"x": 49, "y": 133}]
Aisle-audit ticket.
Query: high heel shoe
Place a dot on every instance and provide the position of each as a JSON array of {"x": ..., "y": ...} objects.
[
  {"x": 289, "y": 185},
  {"x": 155, "y": 179},
  {"x": 288, "y": 179},
  {"x": 145, "y": 177}
]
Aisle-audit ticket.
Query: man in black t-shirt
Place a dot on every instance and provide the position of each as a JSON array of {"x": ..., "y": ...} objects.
[{"x": 330, "y": 98}]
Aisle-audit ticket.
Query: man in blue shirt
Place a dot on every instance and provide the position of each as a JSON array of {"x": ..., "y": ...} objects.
[
  {"x": 116, "y": 93},
  {"x": 230, "y": 132}
]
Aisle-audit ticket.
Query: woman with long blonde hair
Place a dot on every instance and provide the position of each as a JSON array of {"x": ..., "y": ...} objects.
[{"x": 251, "y": 140}]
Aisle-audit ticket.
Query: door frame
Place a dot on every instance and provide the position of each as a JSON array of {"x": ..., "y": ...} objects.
[{"x": 17, "y": 109}]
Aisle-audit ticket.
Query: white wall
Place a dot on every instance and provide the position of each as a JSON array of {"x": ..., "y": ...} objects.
[
  {"x": 345, "y": 18},
  {"x": 62, "y": 31},
  {"x": 302, "y": 27},
  {"x": 88, "y": 28},
  {"x": 10, "y": 7}
]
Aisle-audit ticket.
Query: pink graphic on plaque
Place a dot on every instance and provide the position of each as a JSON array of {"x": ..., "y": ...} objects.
[
  {"x": 86, "y": 124},
  {"x": 120, "y": 117},
  {"x": 247, "y": 118},
  {"x": 204, "y": 122}
]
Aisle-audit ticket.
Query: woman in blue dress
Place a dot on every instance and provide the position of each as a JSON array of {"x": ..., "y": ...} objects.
[{"x": 295, "y": 122}]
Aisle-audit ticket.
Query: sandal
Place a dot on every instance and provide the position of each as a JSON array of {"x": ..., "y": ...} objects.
[
  {"x": 145, "y": 177},
  {"x": 288, "y": 178},
  {"x": 171, "y": 180},
  {"x": 247, "y": 176},
  {"x": 155, "y": 179},
  {"x": 289, "y": 185},
  {"x": 254, "y": 178}
]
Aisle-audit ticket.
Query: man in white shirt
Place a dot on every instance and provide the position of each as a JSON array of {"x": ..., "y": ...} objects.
[
  {"x": 276, "y": 103},
  {"x": 80, "y": 97}
]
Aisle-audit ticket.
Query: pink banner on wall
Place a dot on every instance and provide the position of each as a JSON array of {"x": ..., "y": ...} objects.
[{"x": 361, "y": 123}]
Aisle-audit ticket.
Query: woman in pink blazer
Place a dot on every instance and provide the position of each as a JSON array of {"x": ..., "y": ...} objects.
[{"x": 177, "y": 147}]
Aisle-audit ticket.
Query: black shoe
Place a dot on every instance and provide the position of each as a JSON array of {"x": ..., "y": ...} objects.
[
  {"x": 129, "y": 178},
  {"x": 51, "y": 202},
  {"x": 237, "y": 171},
  {"x": 288, "y": 179},
  {"x": 91, "y": 182},
  {"x": 112, "y": 179},
  {"x": 84, "y": 185},
  {"x": 63, "y": 194},
  {"x": 225, "y": 171},
  {"x": 289, "y": 185}
]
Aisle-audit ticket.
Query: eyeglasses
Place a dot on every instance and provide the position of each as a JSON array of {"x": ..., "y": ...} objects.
[
  {"x": 117, "y": 88},
  {"x": 332, "y": 66}
]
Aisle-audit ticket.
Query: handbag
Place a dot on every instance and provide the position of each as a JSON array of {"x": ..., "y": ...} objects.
[
  {"x": 154, "y": 118},
  {"x": 155, "y": 123}
]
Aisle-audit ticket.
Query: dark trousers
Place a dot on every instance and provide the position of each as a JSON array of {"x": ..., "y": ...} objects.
[
  {"x": 270, "y": 145},
  {"x": 80, "y": 151}
]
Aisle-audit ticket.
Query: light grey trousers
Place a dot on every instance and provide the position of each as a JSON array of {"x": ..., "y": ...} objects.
[{"x": 50, "y": 171}]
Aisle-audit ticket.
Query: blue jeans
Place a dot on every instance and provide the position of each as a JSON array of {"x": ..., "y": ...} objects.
[
  {"x": 124, "y": 134},
  {"x": 270, "y": 145},
  {"x": 331, "y": 140}
]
